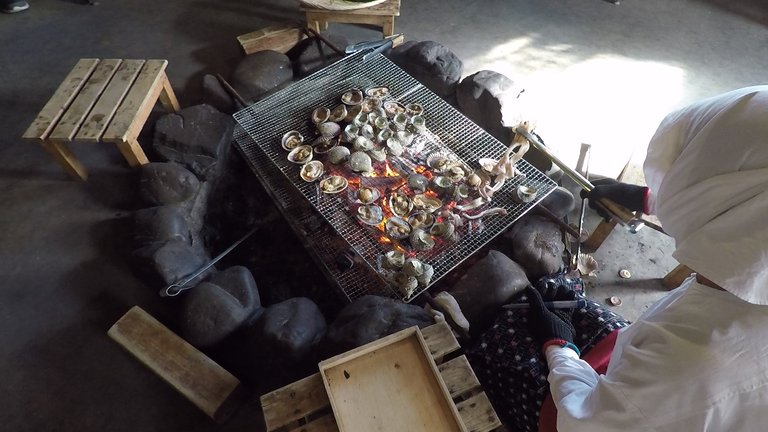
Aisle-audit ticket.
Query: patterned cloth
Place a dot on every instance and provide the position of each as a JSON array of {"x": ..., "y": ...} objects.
[{"x": 513, "y": 371}]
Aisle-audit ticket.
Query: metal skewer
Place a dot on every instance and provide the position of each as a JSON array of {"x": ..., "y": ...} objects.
[{"x": 587, "y": 157}]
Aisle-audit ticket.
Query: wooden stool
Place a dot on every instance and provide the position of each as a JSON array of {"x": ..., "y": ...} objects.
[
  {"x": 382, "y": 15},
  {"x": 102, "y": 101}
]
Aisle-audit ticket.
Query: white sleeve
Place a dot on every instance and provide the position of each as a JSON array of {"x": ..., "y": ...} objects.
[{"x": 585, "y": 401}]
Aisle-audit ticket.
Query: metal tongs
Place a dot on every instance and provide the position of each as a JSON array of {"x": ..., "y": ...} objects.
[
  {"x": 375, "y": 47},
  {"x": 623, "y": 216}
]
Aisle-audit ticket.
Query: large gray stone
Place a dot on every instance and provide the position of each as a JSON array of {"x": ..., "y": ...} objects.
[
  {"x": 261, "y": 72},
  {"x": 311, "y": 55},
  {"x": 486, "y": 286},
  {"x": 197, "y": 137},
  {"x": 483, "y": 96},
  {"x": 155, "y": 226},
  {"x": 560, "y": 202},
  {"x": 171, "y": 262},
  {"x": 370, "y": 318},
  {"x": 536, "y": 244},
  {"x": 216, "y": 96},
  {"x": 290, "y": 331},
  {"x": 433, "y": 64},
  {"x": 166, "y": 183},
  {"x": 213, "y": 310}
]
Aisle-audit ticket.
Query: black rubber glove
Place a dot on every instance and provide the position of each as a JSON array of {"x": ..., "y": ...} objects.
[
  {"x": 548, "y": 324},
  {"x": 627, "y": 195}
]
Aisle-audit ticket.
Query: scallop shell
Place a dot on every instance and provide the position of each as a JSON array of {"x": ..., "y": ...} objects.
[
  {"x": 421, "y": 240},
  {"x": 394, "y": 147},
  {"x": 366, "y": 195},
  {"x": 311, "y": 171},
  {"x": 329, "y": 129},
  {"x": 421, "y": 219},
  {"x": 369, "y": 104},
  {"x": 338, "y": 155},
  {"x": 394, "y": 260},
  {"x": 439, "y": 162},
  {"x": 301, "y": 154},
  {"x": 362, "y": 143},
  {"x": 379, "y": 155},
  {"x": 400, "y": 204},
  {"x": 377, "y": 92},
  {"x": 414, "y": 109},
  {"x": 360, "y": 162},
  {"x": 320, "y": 115},
  {"x": 322, "y": 146},
  {"x": 352, "y": 97},
  {"x": 418, "y": 182},
  {"x": 393, "y": 108},
  {"x": 426, "y": 202},
  {"x": 333, "y": 184},
  {"x": 397, "y": 228},
  {"x": 338, "y": 114},
  {"x": 370, "y": 214},
  {"x": 406, "y": 284},
  {"x": 291, "y": 140},
  {"x": 443, "y": 230}
]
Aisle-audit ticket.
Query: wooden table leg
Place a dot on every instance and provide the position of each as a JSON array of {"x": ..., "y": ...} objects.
[
  {"x": 313, "y": 21},
  {"x": 133, "y": 153},
  {"x": 66, "y": 159},
  {"x": 599, "y": 235},
  {"x": 388, "y": 26},
  {"x": 168, "y": 97}
]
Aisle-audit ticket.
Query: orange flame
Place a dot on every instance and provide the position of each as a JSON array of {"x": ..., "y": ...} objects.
[
  {"x": 383, "y": 239},
  {"x": 388, "y": 171},
  {"x": 421, "y": 169},
  {"x": 430, "y": 193}
]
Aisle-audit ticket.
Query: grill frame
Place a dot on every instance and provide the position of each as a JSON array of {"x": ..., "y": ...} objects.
[{"x": 258, "y": 139}]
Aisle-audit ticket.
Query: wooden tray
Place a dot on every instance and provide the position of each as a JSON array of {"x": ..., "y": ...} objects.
[{"x": 390, "y": 385}]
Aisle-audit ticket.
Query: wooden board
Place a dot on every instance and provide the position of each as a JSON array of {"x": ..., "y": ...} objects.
[
  {"x": 391, "y": 384},
  {"x": 389, "y": 7},
  {"x": 58, "y": 103},
  {"x": 192, "y": 373},
  {"x": 135, "y": 109},
  {"x": 280, "y": 39},
  {"x": 105, "y": 108}
]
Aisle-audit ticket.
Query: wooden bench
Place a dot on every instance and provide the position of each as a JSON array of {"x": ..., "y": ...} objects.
[
  {"x": 382, "y": 15},
  {"x": 303, "y": 406},
  {"x": 102, "y": 101}
]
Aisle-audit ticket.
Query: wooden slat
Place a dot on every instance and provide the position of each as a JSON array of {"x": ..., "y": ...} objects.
[
  {"x": 192, "y": 373},
  {"x": 294, "y": 401},
  {"x": 105, "y": 108},
  {"x": 477, "y": 414},
  {"x": 70, "y": 122},
  {"x": 458, "y": 376},
  {"x": 391, "y": 7},
  {"x": 674, "y": 278},
  {"x": 275, "y": 38},
  {"x": 65, "y": 158},
  {"x": 52, "y": 111},
  {"x": 440, "y": 340},
  {"x": 135, "y": 109},
  {"x": 326, "y": 423}
]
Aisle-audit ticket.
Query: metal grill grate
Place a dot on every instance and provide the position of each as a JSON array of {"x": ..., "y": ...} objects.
[{"x": 266, "y": 121}]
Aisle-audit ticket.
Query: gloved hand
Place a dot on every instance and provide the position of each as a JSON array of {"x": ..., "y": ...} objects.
[
  {"x": 627, "y": 195},
  {"x": 546, "y": 324}
]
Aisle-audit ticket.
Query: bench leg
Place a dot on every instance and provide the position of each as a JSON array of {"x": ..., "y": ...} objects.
[
  {"x": 313, "y": 21},
  {"x": 133, "y": 153},
  {"x": 66, "y": 159},
  {"x": 168, "y": 97},
  {"x": 388, "y": 26}
]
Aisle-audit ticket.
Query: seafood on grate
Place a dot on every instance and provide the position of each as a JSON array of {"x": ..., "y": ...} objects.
[
  {"x": 338, "y": 155},
  {"x": 362, "y": 143},
  {"x": 421, "y": 219},
  {"x": 418, "y": 182},
  {"x": 393, "y": 260},
  {"x": 352, "y": 97},
  {"x": 397, "y": 228},
  {"x": 351, "y": 132},
  {"x": 291, "y": 140},
  {"x": 338, "y": 114},
  {"x": 406, "y": 284},
  {"x": 300, "y": 155},
  {"x": 440, "y": 163},
  {"x": 322, "y": 146},
  {"x": 370, "y": 214},
  {"x": 421, "y": 271},
  {"x": 367, "y": 195},
  {"x": 311, "y": 171},
  {"x": 360, "y": 162},
  {"x": 421, "y": 240},
  {"x": 333, "y": 184},
  {"x": 393, "y": 108},
  {"x": 379, "y": 155},
  {"x": 377, "y": 92},
  {"x": 320, "y": 115},
  {"x": 369, "y": 104},
  {"x": 414, "y": 109},
  {"x": 426, "y": 202},
  {"x": 400, "y": 204},
  {"x": 456, "y": 173},
  {"x": 394, "y": 147},
  {"x": 443, "y": 230},
  {"x": 353, "y": 112},
  {"x": 329, "y": 130}
]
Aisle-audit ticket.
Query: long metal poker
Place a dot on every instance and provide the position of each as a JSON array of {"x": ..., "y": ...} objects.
[{"x": 587, "y": 157}]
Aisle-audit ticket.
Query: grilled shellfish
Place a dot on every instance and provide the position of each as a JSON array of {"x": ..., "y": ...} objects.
[
  {"x": 421, "y": 240},
  {"x": 370, "y": 214},
  {"x": 333, "y": 184},
  {"x": 400, "y": 204},
  {"x": 421, "y": 219},
  {"x": 291, "y": 140},
  {"x": 352, "y": 97},
  {"x": 301, "y": 154},
  {"x": 426, "y": 202},
  {"x": 397, "y": 228},
  {"x": 367, "y": 195},
  {"x": 311, "y": 171},
  {"x": 320, "y": 115}
]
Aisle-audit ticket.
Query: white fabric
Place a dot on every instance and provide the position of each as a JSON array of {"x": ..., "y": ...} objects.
[
  {"x": 696, "y": 361},
  {"x": 707, "y": 166}
]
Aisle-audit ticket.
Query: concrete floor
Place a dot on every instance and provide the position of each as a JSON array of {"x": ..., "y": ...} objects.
[{"x": 594, "y": 72}]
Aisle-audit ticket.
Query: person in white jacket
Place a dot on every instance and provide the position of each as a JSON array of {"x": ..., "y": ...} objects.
[{"x": 697, "y": 360}]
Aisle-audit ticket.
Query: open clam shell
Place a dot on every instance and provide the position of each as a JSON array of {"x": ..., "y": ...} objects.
[
  {"x": 369, "y": 104},
  {"x": 353, "y": 112},
  {"x": 301, "y": 154},
  {"x": 439, "y": 162},
  {"x": 400, "y": 204},
  {"x": 333, "y": 184},
  {"x": 421, "y": 240},
  {"x": 352, "y": 97},
  {"x": 338, "y": 155},
  {"x": 367, "y": 195},
  {"x": 426, "y": 202},
  {"x": 338, "y": 114},
  {"x": 443, "y": 230},
  {"x": 421, "y": 219},
  {"x": 397, "y": 228},
  {"x": 323, "y": 146},
  {"x": 370, "y": 214},
  {"x": 440, "y": 184},
  {"x": 291, "y": 140},
  {"x": 361, "y": 119},
  {"x": 393, "y": 108},
  {"x": 311, "y": 171},
  {"x": 414, "y": 109},
  {"x": 377, "y": 92},
  {"x": 320, "y": 115}
]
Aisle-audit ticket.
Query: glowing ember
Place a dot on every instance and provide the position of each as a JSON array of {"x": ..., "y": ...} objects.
[
  {"x": 383, "y": 239},
  {"x": 388, "y": 171},
  {"x": 430, "y": 193},
  {"x": 421, "y": 169}
]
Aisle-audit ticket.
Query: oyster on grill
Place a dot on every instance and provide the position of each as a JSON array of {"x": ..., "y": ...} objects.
[
  {"x": 338, "y": 155},
  {"x": 400, "y": 204},
  {"x": 406, "y": 284},
  {"x": 333, "y": 184},
  {"x": 377, "y": 92},
  {"x": 370, "y": 214},
  {"x": 291, "y": 140},
  {"x": 323, "y": 146},
  {"x": 397, "y": 228},
  {"x": 362, "y": 143},
  {"x": 426, "y": 202},
  {"x": 352, "y": 97},
  {"x": 320, "y": 115},
  {"x": 421, "y": 240},
  {"x": 367, "y": 195},
  {"x": 443, "y": 230},
  {"x": 338, "y": 114},
  {"x": 301, "y": 154},
  {"x": 393, "y": 260},
  {"x": 360, "y": 162},
  {"x": 421, "y": 219},
  {"x": 311, "y": 171}
]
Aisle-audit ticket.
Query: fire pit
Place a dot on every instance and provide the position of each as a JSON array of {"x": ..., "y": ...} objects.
[{"x": 395, "y": 217}]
